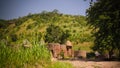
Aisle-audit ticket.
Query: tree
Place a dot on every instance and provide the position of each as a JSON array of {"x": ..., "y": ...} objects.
[
  {"x": 104, "y": 15},
  {"x": 55, "y": 34},
  {"x": 3, "y": 23}
]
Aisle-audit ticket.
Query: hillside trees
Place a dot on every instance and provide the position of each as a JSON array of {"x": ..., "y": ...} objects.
[
  {"x": 56, "y": 34},
  {"x": 29, "y": 27},
  {"x": 104, "y": 15},
  {"x": 3, "y": 23}
]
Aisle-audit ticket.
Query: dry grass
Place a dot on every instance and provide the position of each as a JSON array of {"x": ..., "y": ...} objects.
[{"x": 83, "y": 46}]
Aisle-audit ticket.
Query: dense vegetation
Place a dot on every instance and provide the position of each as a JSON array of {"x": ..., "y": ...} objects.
[
  {"x": 23, "y": 40},
  {"x": 23, "y": 57},
  {"x": 55, "y": 34},
  {"x": 34, "y": 27},
  {"x": 104, "y": 16}
]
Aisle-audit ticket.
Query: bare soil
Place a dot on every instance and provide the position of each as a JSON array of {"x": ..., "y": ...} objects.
[{"x": 93, "y": 64}]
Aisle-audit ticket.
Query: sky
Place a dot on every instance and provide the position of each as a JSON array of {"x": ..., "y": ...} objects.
[{"x": 10, "y": 9}]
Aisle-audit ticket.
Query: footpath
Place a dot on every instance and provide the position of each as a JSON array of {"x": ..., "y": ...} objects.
[{"x": 93, "y": 64}]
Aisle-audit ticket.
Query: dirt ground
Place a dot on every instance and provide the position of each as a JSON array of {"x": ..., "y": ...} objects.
[{"x": 93, "y": 64}]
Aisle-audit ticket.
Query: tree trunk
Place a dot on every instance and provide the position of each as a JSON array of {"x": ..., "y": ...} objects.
[
  {"x": 110, "y": 54},
  {"x": 119, "y": 54}
]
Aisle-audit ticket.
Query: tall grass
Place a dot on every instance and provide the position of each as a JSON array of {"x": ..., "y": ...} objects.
[
  {"x": 83, "y": 46},
  {"x": 21, "y": 57},
  {"x": 11, "y": 57}
]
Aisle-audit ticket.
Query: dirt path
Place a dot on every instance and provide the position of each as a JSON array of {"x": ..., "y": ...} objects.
[{"x": 93, "y": 64}]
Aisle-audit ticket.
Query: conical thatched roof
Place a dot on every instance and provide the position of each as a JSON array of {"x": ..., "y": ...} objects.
[{"x": 68, "y": 43}]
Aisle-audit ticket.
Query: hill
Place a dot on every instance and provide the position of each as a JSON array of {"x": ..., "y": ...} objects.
[
  {"x": 33, "y": 27},
  {"x": 18, "y": 35}
]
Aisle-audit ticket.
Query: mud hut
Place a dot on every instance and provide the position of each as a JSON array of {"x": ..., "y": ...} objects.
[{"x": 69, "y": 48}]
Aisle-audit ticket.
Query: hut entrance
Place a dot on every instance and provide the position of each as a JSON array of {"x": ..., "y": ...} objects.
[{"x": 69, "y": 48}]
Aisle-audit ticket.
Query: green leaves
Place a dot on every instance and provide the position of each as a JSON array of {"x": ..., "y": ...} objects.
[
  {"x": 55, "y": 34},
  {"x": 104, "y": 15}
]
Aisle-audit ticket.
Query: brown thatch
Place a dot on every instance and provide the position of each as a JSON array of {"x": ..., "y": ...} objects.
[{"x": 68, "y": 43}]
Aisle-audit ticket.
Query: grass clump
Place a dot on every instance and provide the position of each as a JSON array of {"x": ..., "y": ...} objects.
[{"x": 21, "y": 57}]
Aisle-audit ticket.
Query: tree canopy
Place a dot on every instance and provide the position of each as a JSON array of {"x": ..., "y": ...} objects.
[
  {"x": 56, "y": 34},
  {"x": 104, "y": 15}
]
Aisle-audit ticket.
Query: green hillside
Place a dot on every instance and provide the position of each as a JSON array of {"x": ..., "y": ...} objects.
[
  {"x": 33, "y": 27},
  {"x": 31, "y": 30}
]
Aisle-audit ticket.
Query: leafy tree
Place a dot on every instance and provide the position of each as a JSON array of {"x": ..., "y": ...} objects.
[
  {"x": 104, "y": 16},
  {"x": 55, "y": 34},
  {"x": 65, "y": 35},
  {"x": 55, "y": 11},
  {"x": 3, "y": 23}
]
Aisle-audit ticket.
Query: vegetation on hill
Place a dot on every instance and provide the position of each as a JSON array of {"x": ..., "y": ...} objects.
[
  {"x": 55, "y": 34},
  {"x": 23, "y": 40},
  {"x": 33, "y": 27}
]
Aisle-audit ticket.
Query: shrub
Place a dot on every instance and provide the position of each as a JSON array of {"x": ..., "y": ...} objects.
[
  {"x": 33, "y": 25},
  {"x": 56, "y": 34},
  {"x": 90, "y": 55},
  {"x": 13, "y": 37}
]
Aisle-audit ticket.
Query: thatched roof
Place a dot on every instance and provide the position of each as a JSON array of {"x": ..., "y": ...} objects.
[{"x": 68, "y": 43}]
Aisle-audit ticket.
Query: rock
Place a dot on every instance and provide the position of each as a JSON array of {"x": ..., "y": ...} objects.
[{"x": 26, "y": 44}]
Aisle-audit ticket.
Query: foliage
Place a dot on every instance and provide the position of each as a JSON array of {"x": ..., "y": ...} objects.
[
  {"x": 74, "y": 24},
  {"x": 3, "y": 23},
  {"x": 33, "y": 27},
  {"x": 65, "y": 36},
  {"x": 11, "y": 57},
  {"x": 83, "y": 46},
  {"x": 104, "y": 16},
  {"x": 55, "y": 34},
  {"x": 13, "y": 37},
  {"x": 91, "y": 55}
]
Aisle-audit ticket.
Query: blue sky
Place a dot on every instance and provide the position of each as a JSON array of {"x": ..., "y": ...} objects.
[{"x": 10, "y": 9}]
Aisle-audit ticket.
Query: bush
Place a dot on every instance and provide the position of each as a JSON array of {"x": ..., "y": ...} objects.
[
  {"x": 13, "y": 37},
  {"x": 56, "y": 34},
  {"x": 90, "y": 55}
]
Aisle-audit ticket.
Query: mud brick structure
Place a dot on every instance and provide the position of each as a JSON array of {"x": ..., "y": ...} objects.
[
  {"x": 65, "y": 50},
  {"x": 56, "y": 49}
]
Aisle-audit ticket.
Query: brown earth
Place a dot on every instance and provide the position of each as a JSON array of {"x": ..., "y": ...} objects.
[{"x": 93, "y": 64}]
